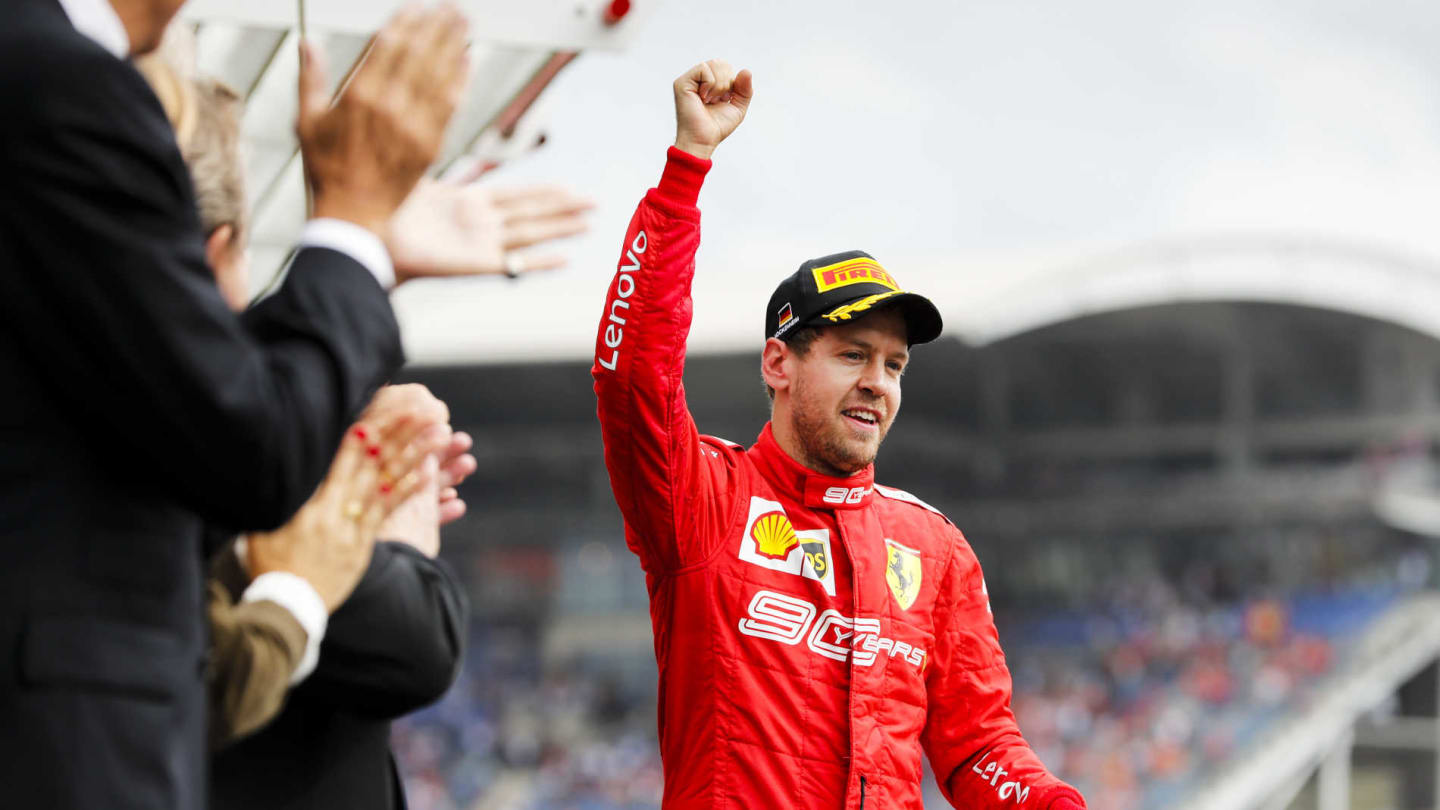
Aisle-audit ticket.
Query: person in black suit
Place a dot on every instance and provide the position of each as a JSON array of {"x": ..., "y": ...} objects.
[
  {"x": 137, "y": 406},
  {"x": 260, "y": 647},
  {"x": 395, "y": 645}
]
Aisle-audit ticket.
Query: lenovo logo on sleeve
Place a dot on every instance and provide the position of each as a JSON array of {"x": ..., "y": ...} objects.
[
  {"x": 992, "y": 773},
  {"x": 614, "y": 333}
]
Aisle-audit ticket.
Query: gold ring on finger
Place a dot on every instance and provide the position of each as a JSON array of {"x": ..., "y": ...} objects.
[{"x": 354, "y": 509}]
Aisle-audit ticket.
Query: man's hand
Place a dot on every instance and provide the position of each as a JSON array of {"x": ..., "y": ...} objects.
[
  {"x": 456, "y": 463},
  {"x": 445, "y": 229},
  {"x": 392, "y": 400},
  {"x": 710, "y": 102},
  {"x": 418, "y": 520},
  {"x": 364, "y": 154},
  {"x": 381, "y": 465}
]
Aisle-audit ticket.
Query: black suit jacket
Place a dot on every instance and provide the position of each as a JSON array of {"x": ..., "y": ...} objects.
[
  {"x": 394, "y": 646},
  {"x": 135, "y": 407}
]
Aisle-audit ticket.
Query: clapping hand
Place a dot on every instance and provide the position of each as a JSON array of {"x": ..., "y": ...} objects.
[
  {"x": 418, "y": 520},
  {"x": 381, "y": 464},
  {"x": 364, "y": 153},
  {"x": 448, "y": 229},
  {"x": 456, "y": 463}
]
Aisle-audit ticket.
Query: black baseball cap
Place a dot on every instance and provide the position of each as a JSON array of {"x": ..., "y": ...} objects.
[{"x": 841, "y": 287}]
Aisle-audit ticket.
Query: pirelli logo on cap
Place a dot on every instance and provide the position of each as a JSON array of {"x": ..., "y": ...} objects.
[{"x": 852, "y": 271}]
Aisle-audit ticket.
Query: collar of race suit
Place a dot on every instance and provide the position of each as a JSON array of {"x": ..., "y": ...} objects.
[{"x": 815, "y": 490}]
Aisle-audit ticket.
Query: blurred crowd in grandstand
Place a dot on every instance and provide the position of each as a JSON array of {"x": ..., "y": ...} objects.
[
  {"x": 1156, "y": 674},
  {"x": 1159, "y": 605},
  {"x": 1141, "y": 695}
]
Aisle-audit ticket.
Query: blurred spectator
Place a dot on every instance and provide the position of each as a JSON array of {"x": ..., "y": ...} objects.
[
  {"x": 149, "y": 409},
  {"x": 266, "y": 636},
  {"x": 396, "y": 644},
  {"x": 392, "y": 647},
  {"x": 267, "y": 625}
]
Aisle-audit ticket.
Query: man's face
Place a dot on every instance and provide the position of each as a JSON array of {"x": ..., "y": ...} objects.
[
  {"x": 845, "y": 391},
  {"x": 145, "y": 21}
]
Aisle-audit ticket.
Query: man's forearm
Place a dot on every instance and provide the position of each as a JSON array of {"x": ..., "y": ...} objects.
[
  {"x": 255, "y": 648},
  {"x": 640, "y": 358},
  {"x": 397, "y": 642}
]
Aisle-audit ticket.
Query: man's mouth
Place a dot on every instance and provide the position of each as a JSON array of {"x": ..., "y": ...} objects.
[{"x": 866, "y": 418}]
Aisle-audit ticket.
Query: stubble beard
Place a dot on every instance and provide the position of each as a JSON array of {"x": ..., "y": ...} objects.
[{"x": 822, "y": 438}]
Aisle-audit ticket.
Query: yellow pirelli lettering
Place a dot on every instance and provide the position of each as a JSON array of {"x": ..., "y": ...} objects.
[{"x": 852, "y": 271}]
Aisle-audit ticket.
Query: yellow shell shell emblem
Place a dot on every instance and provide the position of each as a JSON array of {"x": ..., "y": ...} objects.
[
  {"x": 902, "y": 572},
  {"x": 774, "y": 536}
]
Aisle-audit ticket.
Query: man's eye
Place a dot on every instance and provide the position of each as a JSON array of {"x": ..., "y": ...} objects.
[{"x": 854, "y": 356}]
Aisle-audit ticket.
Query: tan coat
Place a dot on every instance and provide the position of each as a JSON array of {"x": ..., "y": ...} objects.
[{"x": 255, "y": 647}]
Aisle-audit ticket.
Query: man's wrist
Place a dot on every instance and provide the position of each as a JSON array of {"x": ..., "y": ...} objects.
[
  {"x": 699, "y": 150},
  {"x": 295, "y": 594},
  {"x": 356, "y": 241},
  {"x": 683, "y": 177},
  {"x": 355, "y": 209}
]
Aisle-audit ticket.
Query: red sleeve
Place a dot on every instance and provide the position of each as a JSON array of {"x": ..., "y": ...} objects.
[
  {"x": 673, "y": 488},
  {"x": 974, "y": 745}
]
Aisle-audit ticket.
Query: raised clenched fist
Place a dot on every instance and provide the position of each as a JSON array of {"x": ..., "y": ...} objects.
[{"x": 710, "y": 102}]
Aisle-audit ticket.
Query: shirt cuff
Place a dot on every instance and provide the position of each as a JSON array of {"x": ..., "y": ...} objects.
[
  {"x": 354, "y": 241},
  {"x": 298, "y": 596},
  {"x": 684, "y": 174}
]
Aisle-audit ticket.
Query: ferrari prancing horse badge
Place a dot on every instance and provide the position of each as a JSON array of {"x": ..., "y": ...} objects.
[{"x": 902, "y": 571}]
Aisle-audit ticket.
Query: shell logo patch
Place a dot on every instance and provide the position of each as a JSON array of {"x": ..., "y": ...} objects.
[
  {"x": 771, "y": 541},
  {"x": 774, "y": 536},
  {"x": 902, "y": 572}
]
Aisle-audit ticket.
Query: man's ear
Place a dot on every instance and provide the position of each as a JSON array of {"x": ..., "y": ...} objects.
[
  {"x": 217, "y": 248},
  {"x": 225, "y": 253},
  {"x": 772, "y": 364}
]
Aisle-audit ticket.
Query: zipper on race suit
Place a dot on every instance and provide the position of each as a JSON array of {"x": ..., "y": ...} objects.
[{"x": 862, "y": 793}]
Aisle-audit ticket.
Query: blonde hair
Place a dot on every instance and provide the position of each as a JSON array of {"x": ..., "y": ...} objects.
[{"x": 205, "y": 114}]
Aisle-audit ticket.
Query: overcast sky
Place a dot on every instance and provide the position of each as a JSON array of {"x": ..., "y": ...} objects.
[{"x": 962, "y": 142}]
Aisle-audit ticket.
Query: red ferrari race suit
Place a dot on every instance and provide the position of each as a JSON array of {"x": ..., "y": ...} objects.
[{"x": 812, "y": 633}]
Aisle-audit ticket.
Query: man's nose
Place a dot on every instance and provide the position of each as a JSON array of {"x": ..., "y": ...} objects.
[{"x": 873, "y": 379}]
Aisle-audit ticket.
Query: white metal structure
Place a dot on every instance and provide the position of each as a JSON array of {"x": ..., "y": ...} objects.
[{"x": 252, "y": 46}]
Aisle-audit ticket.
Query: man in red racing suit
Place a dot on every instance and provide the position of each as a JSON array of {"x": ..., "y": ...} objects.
[{"x": 814, "y": 630}]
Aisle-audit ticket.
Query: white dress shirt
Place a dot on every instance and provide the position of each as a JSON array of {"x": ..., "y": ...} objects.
[
  {"x": 297, "y": 595},
  {"x": 97, "y": 20}
]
